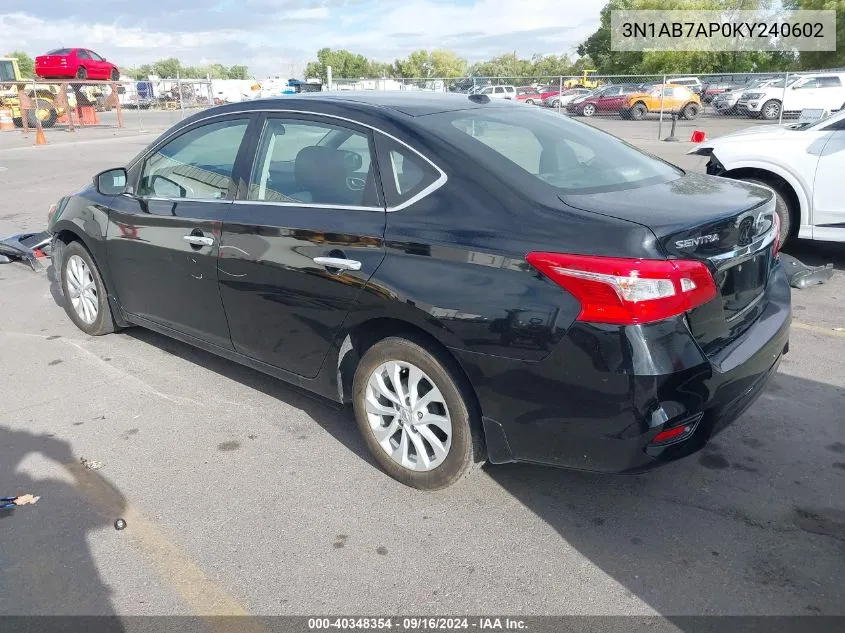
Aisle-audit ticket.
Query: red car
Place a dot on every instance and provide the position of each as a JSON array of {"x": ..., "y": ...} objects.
[
  {"x": 607, "y": 100},
  {"x": 528, "y": 95},
  {"x": 77, "y": 63}
]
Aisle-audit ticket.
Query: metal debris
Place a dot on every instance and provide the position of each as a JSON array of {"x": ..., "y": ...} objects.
[{"x": 90, "y": 464}]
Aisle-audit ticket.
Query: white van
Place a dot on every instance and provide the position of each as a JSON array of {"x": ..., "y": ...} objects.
[{"x": 499, "y": 92}]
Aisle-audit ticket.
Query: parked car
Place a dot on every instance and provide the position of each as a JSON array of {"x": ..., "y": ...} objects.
[
  {"x": 553, "y": 98},
  {"x": 824, "y": 91},
  {"x": 607, "y": 100},
  {"x": 498, "y": 92},
  {"x": 78, "y": 63},
  {"x": 674, "y": 99},
  {"x": 712, "y": 90},
  {"x": 803, "y": 163},
  {"x": 725, "y": 102},
  {"x": 529, "y": 95},
  {"x": 586, "y": 320}
]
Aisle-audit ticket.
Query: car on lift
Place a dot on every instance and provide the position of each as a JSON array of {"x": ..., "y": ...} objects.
[{"x": 75, "y": 63}]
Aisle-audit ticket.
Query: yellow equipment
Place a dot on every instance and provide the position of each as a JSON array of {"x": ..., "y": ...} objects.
[
  {"x": 44, "y": 100},
  {"x": 582, "y": 81}
]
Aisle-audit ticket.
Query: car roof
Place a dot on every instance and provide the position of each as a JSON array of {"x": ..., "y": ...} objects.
[{"x": 410, "y": 103}]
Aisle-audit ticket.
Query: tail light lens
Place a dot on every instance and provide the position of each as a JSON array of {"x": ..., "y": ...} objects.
[
  {"x": 628, "y": 291},
  {"x": 776, "y": 244}
]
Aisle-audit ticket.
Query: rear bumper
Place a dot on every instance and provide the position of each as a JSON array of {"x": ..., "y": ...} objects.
[
  {"x": 599, "y": 399},
  {"x": 55, "y": 71}
]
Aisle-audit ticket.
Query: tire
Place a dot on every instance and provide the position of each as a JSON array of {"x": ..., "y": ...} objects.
[
  {"x": 770, "y": 110},
  {"x": 783, "y": 206},
  {"x": 47, "y": 122},
  {"x": 529, "y": 101},
  {"x": 103, "y": 321},
  {"x": 81, "y": 73},
  {"x": 638, "y": 112},
  {"x": 114, "y": 75},
  {"x": 588, "y": 110},
  {"x": 690, "y": 111},
  {"x": 453, "y": 402},
  {"x": 555, "y": 103}
]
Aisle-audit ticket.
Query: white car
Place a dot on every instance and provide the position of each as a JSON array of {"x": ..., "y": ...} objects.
[
  {"x": 499, "y": 92},
  {"x": 823, "y": 91},
  {"x": 804, "y": 163}
]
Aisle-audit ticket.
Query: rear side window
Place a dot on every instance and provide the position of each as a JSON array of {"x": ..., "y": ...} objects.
[
  {"x": 80, "y": 54},
  {"x": 310, "y": 162},
  {"x": 829, "y": 82},
  {"x": 404, "y": 173},
  {"x": 535, "y": 147},
  {"x": 196, "y": 165}
]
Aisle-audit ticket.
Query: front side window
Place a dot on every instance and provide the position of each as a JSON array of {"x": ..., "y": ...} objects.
[
  {"x": 535, "y": 147},
  {"x": 7, "y": 71},
  {"x": 310, "y": 162},
  {"x": 810, "y": 83},
  {"x": 197, "y": 165},
  {"x": 500, "y": 91},
  {"x": 95, "y": 57}
]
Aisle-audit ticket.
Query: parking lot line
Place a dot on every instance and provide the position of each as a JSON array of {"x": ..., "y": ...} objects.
[
  {"x": 818, "y": 328},
  {"x": 176, "y": 568}
]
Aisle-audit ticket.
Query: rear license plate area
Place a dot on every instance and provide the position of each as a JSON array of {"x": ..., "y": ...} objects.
[{"x": 744, "y": 282}]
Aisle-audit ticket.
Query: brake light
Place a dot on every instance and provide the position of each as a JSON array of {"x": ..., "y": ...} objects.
[
  {"x": 628, "y": 291},
  {"x": 776, "y": 244}
]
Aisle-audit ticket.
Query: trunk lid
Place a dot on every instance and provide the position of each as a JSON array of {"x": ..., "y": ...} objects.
[{"x": 726, "y": 224}]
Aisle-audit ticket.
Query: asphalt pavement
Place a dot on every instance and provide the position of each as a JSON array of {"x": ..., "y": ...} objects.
[{"x": 245, "y": 495}]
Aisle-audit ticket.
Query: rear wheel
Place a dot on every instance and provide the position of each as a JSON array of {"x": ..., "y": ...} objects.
[
  {"x": 783, "y": 206},
  {"x": 770, "y": 110},
  {"x": 690, "y": 111},
  {"x": 416, "y": 414},
  {"x": 588, "y": 110},
  {"x": 529, "y": 101},
  {"x": 81, "y": 73},
  {"x": 85, "y": 299},
  {"x": 115, "y": 75},
  {"x": 638, "y": 112},
  {"x": 555, "y": 103}
]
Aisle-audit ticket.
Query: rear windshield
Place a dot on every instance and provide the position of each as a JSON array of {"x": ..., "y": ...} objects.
[
  {"x": 59, "y": 51},
  {"x": 568, "y": 156}
]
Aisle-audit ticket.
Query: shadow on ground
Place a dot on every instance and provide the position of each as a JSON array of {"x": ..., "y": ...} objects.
[{"x": 46, "y": 564}]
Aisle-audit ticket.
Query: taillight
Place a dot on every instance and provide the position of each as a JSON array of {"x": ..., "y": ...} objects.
[
  {"x": 628, "y": 291},
  {"x": 776, "y": 244}
]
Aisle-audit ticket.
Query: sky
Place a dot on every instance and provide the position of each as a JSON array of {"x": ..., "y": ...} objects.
[{"x": 278, "y": 37}]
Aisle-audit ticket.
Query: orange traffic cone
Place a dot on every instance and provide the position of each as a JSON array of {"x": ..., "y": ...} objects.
[
  {"x": 40, "y": 139},
  {"x": 698, "y": 136}
]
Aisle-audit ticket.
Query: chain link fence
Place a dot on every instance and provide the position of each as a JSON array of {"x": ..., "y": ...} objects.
[
  {"x": 71, "y": 105},
  {"x": 661, "y": 106}
]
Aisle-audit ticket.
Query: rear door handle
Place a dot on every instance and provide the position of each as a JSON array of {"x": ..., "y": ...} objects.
[
  {"x": 198, "y": 240},
  {"x": 338, "y": 263}
]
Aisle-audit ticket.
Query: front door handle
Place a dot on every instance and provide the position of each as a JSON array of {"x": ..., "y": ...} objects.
[
  {"x": 338, "y": 263},
  {"x": 198, "y": 240}
]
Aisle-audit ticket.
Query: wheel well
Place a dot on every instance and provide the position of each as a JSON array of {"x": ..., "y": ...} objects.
[
  {"x": 367, "y": 334},
  {"x": 777, "y": 182}
]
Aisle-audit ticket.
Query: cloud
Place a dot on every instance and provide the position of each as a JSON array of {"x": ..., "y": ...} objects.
[{"x": 280, "y": 36}]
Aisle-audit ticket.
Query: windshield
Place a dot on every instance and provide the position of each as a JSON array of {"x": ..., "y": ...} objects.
[{"x": 536, "y": 146}]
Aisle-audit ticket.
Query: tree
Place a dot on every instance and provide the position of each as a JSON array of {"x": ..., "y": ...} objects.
[
  {"x": 817, "y": 60},
  {"x": 167, "y": 68},
  {"x": 25, "y": 63},
  {"x": 238, "y": 71}
]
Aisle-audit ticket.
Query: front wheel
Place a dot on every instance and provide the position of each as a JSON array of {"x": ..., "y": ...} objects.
[
  {"x": 770, "y": 110},
  {"x": 588, "y": 110},
  {"x": 783, "y": 207},
  {"x": 85, "y": 299},
  {"x": 416, "y": 414},
  {"x": 690, "y": 111},
  {"x": 529, "y": 101},
  {"x": 555, "y": 103}
]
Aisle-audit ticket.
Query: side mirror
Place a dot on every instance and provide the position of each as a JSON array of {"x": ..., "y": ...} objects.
[{"x": 111, "y": 182}]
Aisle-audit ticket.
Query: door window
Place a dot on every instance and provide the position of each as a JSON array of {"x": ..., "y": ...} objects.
[
  {"x": 810, "y": 83},
  {"x": 82, "y": 55},
  {"x": 829, "y": 82},
  {"x": 95, "y": 57},
  {"x": 308, "y": 162},
  {"x": 196, "y": 165},
  {"x": 500, "y": 91}
]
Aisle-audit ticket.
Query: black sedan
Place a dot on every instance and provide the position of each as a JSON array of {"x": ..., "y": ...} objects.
[{"x": 480, "y": 280}]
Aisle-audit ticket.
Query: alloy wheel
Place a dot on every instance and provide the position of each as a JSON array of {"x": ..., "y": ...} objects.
[
  {"x": 82, "y": 289},
  {"x": 408, "y": 415}
]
